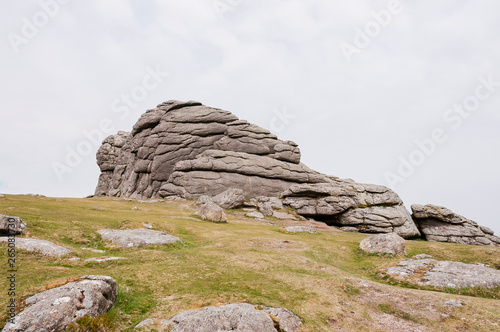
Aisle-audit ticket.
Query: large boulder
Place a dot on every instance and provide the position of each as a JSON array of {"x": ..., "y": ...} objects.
[
  {"x": 11, "y": 225},
  {"x": 440, "y": 224},
  {"x": 187, "y": 149},
  {"x": 212, "y": 212},
  {"x": 384, "y": 244},
  {"x": 57, "y": 308},
  {"x": 240, "y": 317}
]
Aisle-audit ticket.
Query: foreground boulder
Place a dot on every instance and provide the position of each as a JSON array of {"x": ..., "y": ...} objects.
[
  {"x": 384, "y": 244},
  {"x": 187, "y": 149},
  {"x": 440, "y": 224},
  {"x": 42, "y": 246},
  {"x": 447, "y": 274},
  {"x": 57, "y": 308},
  {"x": 11, "y": 225},
  {"x": 240, "y": 317},
  {"x": 137, "y": 237}
]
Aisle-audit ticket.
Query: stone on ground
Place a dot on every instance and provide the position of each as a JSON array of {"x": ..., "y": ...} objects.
[
  {"x": 384, "y": 244},
  {"x": 137, "y": 237},
  {"x": 448, "y": 274},
  {"x": 42, "y": 246},
  {"x": 212, "y": 212},
  {"x": 11, "y": 225},
  {"x": 57, "y": 308},
  {"x": 301, "y": 229}
]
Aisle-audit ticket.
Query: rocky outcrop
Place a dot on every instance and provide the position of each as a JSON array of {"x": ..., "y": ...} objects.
[
  {"x": 440, "y": 224},
  {"x": 137, "y": 237},
  {"x": 11, "y": 225},
  {"x": 447, "y": 274},
  {"x": 44, "y": 247},
  {"x": 240, "y": 317},
  {"x": 369, "y": 208},
  {"x": 384, "y": 244},
  {"x": 57, "y": 308},
  {"x": 187, "y": 149}
]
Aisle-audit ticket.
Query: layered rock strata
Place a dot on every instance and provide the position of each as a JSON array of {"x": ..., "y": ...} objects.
[{"x": 440, "y": 224}]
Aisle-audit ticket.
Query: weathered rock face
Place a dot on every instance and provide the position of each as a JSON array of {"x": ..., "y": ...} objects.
[
  {"x": 189, "y": 150},
  {"x": 170, "y": 138},
  {"x": 440, "y": 224},
  {"x": 57, "y": 308}
]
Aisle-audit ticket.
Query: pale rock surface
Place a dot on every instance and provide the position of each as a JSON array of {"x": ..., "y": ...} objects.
[
  {"x": 448, "y": 274},
  {"x": 301, "y": 229},
  {"x": 42, "y": 246},
  {"x": 240, "y": 317},
  {"x": 137, "y": 237}
]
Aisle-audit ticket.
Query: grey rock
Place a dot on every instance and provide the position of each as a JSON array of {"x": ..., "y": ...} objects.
[
  {"x": 137, "y": 237},
  {"x": 384, "y": 243},
  {"x": 233, "y": 317},
  {"x": 288, "y": 322},
  {"x": 148, "y": 226},
  {"x": 453, "y": 303},
  {"x": 301, "y": 229},
  {"x": 440, "y": 224},
  {"x": 460, "y": 275},
  {"x": 409, "y": 266},
  {"x": 422, "y": 256},
  {"x": 57, "y": 308},
  {"x": 448, "y": 274},
  {"x": 145, "y": 323},
  {"x": 230, "y": 199},
  {"x": 11, "y": 225},
  {"x": 2, "y": 196},
  {"x": 101, "y": 260},
  {"x": 42, "y": 246},
  {"x": 255, "y": 214},
  {"x": 212, "y": 212}
]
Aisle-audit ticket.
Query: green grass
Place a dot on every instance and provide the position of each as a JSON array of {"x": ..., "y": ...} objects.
[{"x": 313, "y": 275}]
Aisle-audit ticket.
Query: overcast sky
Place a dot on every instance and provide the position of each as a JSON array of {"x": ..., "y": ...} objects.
[{"x": 400, "y": 93}]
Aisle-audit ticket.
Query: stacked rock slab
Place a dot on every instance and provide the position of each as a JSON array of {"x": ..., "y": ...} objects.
[
  {"x": 369, "y": 208},
  {"x": 189, "y": 150},
  {"x": 440, "y": 224}
]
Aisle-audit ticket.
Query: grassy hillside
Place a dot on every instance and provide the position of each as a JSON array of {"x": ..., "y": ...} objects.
[{"x": 323, "y": 278}]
